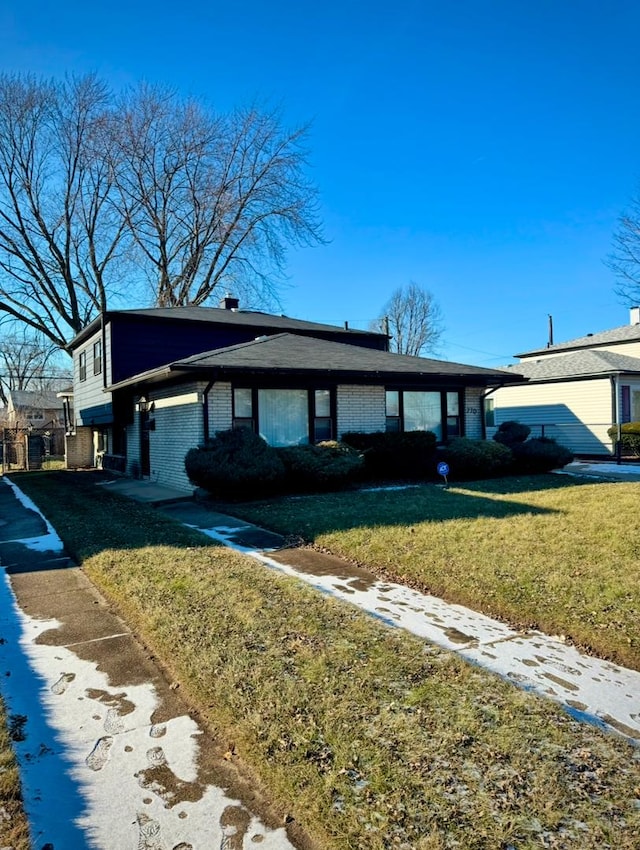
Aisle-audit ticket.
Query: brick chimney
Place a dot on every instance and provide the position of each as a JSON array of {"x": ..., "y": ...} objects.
[{"x": 229, "y": 303}]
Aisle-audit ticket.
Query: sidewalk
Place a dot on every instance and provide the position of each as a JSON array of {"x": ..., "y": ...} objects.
[
  {"x": 111, "y": 757},
  {"x": 590, "y": 689}
]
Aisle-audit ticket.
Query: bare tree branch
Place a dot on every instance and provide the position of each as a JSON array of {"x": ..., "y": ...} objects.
[
  {"x": 624, "y": 260},
  {"x": 201, "y": 193}
]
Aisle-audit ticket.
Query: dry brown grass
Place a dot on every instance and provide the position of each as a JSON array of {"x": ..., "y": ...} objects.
[
  {"x": 368, "y": 737},
  {"x": 14, "y": 829}
]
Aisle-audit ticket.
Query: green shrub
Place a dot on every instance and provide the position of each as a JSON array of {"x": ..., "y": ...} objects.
[
  {"x": 630, "y": 442},
  {"x": 236, "y": 464},
  {"x": 511, "y": 433},
  {"x": 395, "y": 455},
  {"x": 539, "y": 454},
  {"x": 327, "y": 466},
  {"x": 473, "y": 459}
]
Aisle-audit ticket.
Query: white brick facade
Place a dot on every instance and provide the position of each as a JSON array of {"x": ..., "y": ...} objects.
[
  {"x": 220, "y": 408},
  {"x": 360, "y": 408},
  {"x": 473, "y": 412},
  {"x": 179, "y": 426}
]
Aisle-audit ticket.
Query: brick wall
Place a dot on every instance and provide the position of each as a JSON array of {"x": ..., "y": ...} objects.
[
  {"x": 178, "y": 427},
  {"x": 79, "y": 448},
  {"x": 220, "y": 408},
  {"x": 473, "y": 412},
  {"x": 361, "y": 408}
]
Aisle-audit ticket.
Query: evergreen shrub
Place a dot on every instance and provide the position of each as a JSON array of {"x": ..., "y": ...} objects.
[
  {"x": 390, "y": 455},
  {"x": 511, "y": 433},
  {"x": 474, "y": 459},
  {"x": 326, "y": 466},
  {"x": 236, "y": 464},
  {"x": 630, "y": 438},
  {"x": 539, "y": 454}
]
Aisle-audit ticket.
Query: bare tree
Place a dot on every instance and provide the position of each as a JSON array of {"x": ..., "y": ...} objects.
[
  {"x": 624, "y": 260},
  {"x": 58, "y": 232},
  {"x": 95, "y": 192},
  {"x": 413, "y": 320},
  {"x": 212, "y": 201},
  {"x": 29, "y": 361}
]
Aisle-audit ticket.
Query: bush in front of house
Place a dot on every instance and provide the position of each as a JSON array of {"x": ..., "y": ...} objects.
[
  {"x": 630, "y": 438},
  {"x": 326, "y": 466},
  {"x": 539, "y": 454},
  {"x": 390, "y": 455},
  {"x": 511, "y": 433},
  {"x": 236, "y": 464},
  {"x": 474, "y": 459}
]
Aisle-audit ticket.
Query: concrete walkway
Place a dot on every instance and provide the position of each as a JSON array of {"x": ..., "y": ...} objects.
[{"x": 110, "y": 756}]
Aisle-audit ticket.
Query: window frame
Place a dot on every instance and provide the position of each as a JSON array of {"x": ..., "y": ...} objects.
[
  {"x": 82, "y": 365},
  {"x": 396, "y": 422},
  {"x": 319, "y": 424},
  {"x": 97, "y": 357}
]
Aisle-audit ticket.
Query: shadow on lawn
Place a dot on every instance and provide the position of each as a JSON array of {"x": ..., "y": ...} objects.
[{"x": 312, "y": 515}]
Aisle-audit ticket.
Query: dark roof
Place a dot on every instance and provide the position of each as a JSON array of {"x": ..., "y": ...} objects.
[
  {"x": 578, "y": 364},
  {"x": 294, "y": 355},
  {"x": 46, "y": 399},
  {"x": 247, "y": 319},
  {"x": 626, "y": 333}
]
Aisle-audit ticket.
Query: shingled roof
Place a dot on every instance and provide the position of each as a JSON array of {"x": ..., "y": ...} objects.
[
  {"x": 247, "y": 319},
  {"x": 298, "y": 356},
  {"x": 625, "y": 333},
  {"x": 579, "y": 364}
]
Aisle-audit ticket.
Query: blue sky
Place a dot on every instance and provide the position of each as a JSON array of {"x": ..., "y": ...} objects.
[{"x": 481, "y": 149}]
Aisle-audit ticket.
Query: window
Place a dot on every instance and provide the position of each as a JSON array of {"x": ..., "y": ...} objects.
[
  {"x": 419, "y": 410},
  {"x": 82, "y": 363},
  {"x": 635, "y": 405},
  {"x": 393, "y": 410},
  {"x": 35, "y": 415},
  {"x": 97, "y": 357},
  {"x": 322, "y": 421},
  {"x": 284, "y": 417},
  {"x": 489, "y": 413},
  {"x": 243, "y": 408}
]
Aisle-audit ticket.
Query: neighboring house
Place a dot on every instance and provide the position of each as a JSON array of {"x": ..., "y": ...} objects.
[
  {"x": 173, "y": 377},
  {"x": 575, "y": 391},
  {"x": 34, "y": 408}
]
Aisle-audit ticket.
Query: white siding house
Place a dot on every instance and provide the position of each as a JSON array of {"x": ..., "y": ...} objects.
[{"x": 576, "y": 390}]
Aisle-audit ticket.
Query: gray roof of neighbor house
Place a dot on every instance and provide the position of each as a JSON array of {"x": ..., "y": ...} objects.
[
  {"x": 293, "y": 355},
  {"x": 625, "y": 333},
  {"x": 219, "y": 315},
  {"x": 46, "y": 399},
  {"x": 579, "y": 364}
]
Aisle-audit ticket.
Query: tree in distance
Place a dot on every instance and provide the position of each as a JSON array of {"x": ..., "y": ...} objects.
[
  {"x": 413, "y": 320},
  {"x": 105, "y": 198},
  {"x": 624, "y": 260}
]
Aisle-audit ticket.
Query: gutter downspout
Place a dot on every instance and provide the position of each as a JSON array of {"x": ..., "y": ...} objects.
[
  {"x": 205, "y": 410},
  {"x": 615, "y": 409}
]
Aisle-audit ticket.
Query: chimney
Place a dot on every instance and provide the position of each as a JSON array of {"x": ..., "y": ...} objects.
[
  {"x": 228, "y": 303},
  {"x": 634, "y": 315}
]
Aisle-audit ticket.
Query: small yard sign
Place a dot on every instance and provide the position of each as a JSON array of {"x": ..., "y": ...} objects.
[{"x": 443, "y": 469}]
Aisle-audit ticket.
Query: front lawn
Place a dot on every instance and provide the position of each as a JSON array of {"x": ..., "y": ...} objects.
[
  {"x": 545, "y": 552},
  {"x": 365, "y": 735}
]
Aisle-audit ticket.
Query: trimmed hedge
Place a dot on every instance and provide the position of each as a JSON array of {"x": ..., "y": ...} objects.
[
  {"x": 326, "y": 466},
  {"x": 236, "y": 464},
  {"x": 630, "y": 438},
  {"x": 395, "y": 455},
  {"x": 539, "y": 454},
  {"x": 511, "y": 433},
  {"x": 471, "y": 459}
]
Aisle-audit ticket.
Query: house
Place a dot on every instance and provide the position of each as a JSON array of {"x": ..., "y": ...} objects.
[
  {"x": 171, "y": 377},
  {"x": 34, "y": 409},
  {"x": 575, "y": 391}
]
